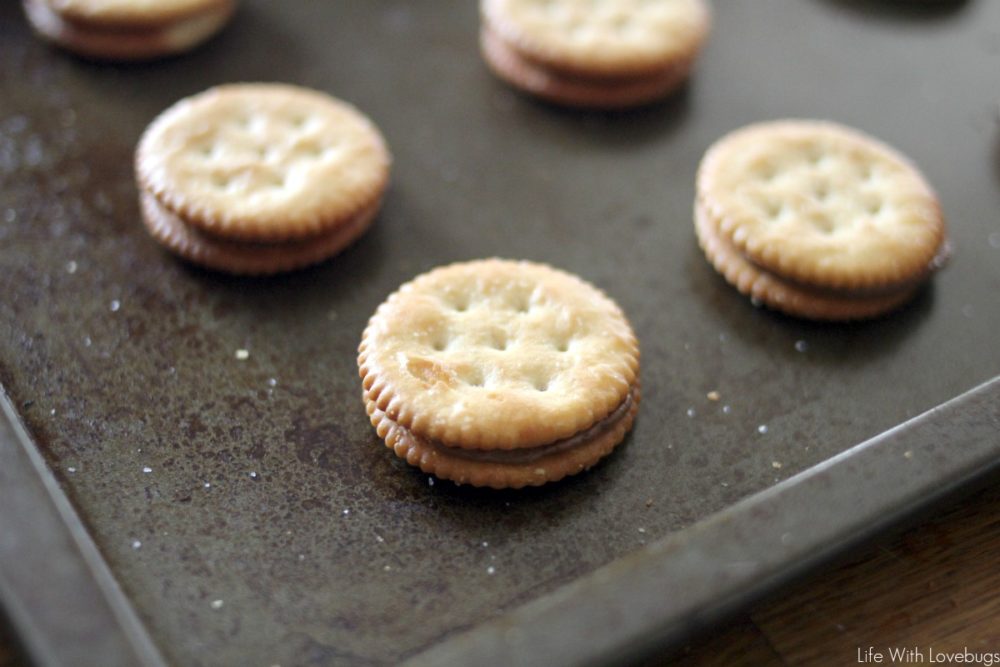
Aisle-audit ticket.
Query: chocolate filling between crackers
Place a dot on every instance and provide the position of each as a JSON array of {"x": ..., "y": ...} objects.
[
  {"x": 532, "y": 454},
  {"x": 527, "y": 455},
  {"x": 127, "y": 42},
  {"x": 602, "y": 90},
  {"x": 940, "y": 259},
  {"x": 248, "y": 257}
]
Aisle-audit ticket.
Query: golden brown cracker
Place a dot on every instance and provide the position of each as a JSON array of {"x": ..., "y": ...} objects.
[
  {"x": 95, "y": 38},
  {"x": 498, "y": 354},
  {"x": 596, "y": 38},
  {"x": 263, "y": 162},
  {"x": 603, "y": 54},
  {"x": 822, "y": 205},
  {"x": 574, "y": 90}
]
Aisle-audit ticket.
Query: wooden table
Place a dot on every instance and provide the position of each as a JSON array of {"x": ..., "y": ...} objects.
[{"x": 936, "y": 585}]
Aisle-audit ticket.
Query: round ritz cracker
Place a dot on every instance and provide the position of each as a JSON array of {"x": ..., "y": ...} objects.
[
  {"x": 817, "y": 220},
  {"x": 128, "y": 29},
  {"x": 594, "y": 53},
  {"x": 260, "y": 178},
  {"x": 500, "y": 373}
]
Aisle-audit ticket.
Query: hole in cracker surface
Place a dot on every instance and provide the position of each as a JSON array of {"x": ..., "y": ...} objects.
[
  {"x": 774, "y": 209},
  {"x": 440, "y": 343},
  {"x": 499, "y": 340},
  {"x": 473, "y": 376},
  {"x": 311, "y": 149},
  {"x": 522, "y": 303},
  {"x": 457, "y": 301},
  {"x": 821, "y": 191},
  {"x": 823, "y": 224},
  {"x": 766, "y": 173},
  {"x": 622, "y": 23}
]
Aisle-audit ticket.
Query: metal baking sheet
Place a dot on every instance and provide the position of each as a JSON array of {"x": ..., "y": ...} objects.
[{"x": 245, "y": 510}]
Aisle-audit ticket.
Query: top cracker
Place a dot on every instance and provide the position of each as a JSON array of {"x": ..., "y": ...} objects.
[
  {"x": 132, "y": 13},
  {"x": 822, "y": 205},
  {"x": 262, "y": 162},
  {"x": 498, "y": 354},
  {"x": 602, "y": 37}
]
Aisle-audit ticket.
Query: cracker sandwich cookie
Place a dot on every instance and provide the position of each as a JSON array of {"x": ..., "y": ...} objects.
[
  {"x": 594, "y": 53},
  {"x": 260, "y": 178},
  {"x": 500, "y": 373},
  {"x": 817, "y": 220},
  {"x": 128, "y": 29}
]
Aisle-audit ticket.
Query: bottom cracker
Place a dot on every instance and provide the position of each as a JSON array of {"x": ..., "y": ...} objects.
[
  {"x": 247, "y": 258},
  {"x": 784, "y": 296},
  {"x": 126, "y": 44},
  {"x": 597, "y": 93},
  {"x": 422, "y": 454}
]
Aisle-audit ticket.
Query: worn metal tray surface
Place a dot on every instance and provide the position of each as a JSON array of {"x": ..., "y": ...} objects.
[{"x": 247, "y": 509}]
